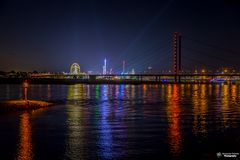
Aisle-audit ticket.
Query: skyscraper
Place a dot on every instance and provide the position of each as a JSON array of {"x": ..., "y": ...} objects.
[{"x": 105, "y": 66}]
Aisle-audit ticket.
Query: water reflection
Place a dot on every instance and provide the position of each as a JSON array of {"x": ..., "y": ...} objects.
[
  {"x": 75, "y": 133},
  {"x": 133, "y": 92},
  {"x": 25, "y": 142},
  {"x": 234, "y": 94},
  {"x": 121, "y": 91},
  {"x": 119, "y": 96},
  {"x": 174, "y": 118},
  {"x": 225, "y": 105},
  {"x": 105, "y": 135},
  {"x": 200, "y": 106},
  {"x": 116, "y": 121},
  {"x": 97, "y": 92}
]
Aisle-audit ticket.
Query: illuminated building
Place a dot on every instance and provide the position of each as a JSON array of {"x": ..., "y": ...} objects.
[
  {"x": 105, "y": 66},
  {"x": 133, "y": 71},
  {"x": 226, "y": 70},
  {"x": 89, "y": 72},
  {"x": 149, "y": 69},
  {"x": 111, "y": 70}
]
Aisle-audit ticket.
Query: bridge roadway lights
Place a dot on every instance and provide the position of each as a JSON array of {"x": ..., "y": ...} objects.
[{"x": 158, "y": 78}]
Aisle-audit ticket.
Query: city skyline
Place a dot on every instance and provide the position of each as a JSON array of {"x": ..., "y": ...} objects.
[
  {"x": 49, "y": 36},
  {"x": 119, "y": 79}
]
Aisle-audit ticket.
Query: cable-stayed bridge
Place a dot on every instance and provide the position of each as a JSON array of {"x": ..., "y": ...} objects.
[{"x": 182, "y": 69}]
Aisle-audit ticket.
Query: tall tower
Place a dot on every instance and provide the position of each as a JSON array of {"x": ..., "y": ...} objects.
[
  {"x": 105, "y": 66},
  {"x": 177, "y": 66}
]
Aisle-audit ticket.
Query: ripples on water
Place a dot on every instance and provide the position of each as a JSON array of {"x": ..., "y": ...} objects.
[{"x": 123, "y": 121}]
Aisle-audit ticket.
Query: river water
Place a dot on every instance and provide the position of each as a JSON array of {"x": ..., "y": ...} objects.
[{"x": 169, "y": 121}]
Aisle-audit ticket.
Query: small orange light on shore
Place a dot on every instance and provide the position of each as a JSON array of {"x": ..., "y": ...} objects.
[{"x": 25, "y": 86}]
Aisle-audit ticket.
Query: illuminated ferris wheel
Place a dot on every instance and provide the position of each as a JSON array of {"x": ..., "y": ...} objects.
[{"x": 75, "y": 69}]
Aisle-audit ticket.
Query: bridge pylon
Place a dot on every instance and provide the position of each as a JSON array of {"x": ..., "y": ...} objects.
[{"x": 177, "y": 60}]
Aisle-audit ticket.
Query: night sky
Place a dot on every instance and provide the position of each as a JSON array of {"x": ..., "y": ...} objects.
[{"x": 51, "y": 35}]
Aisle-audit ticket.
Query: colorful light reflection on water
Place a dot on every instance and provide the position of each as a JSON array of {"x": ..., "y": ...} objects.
[{"x": 123, "y": 121}]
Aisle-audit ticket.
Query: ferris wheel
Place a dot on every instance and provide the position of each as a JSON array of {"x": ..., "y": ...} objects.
[{"x": 75, "y": 69}]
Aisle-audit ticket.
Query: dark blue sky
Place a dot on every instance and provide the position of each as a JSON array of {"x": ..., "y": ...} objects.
[{"x": 51, "y": 35}]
